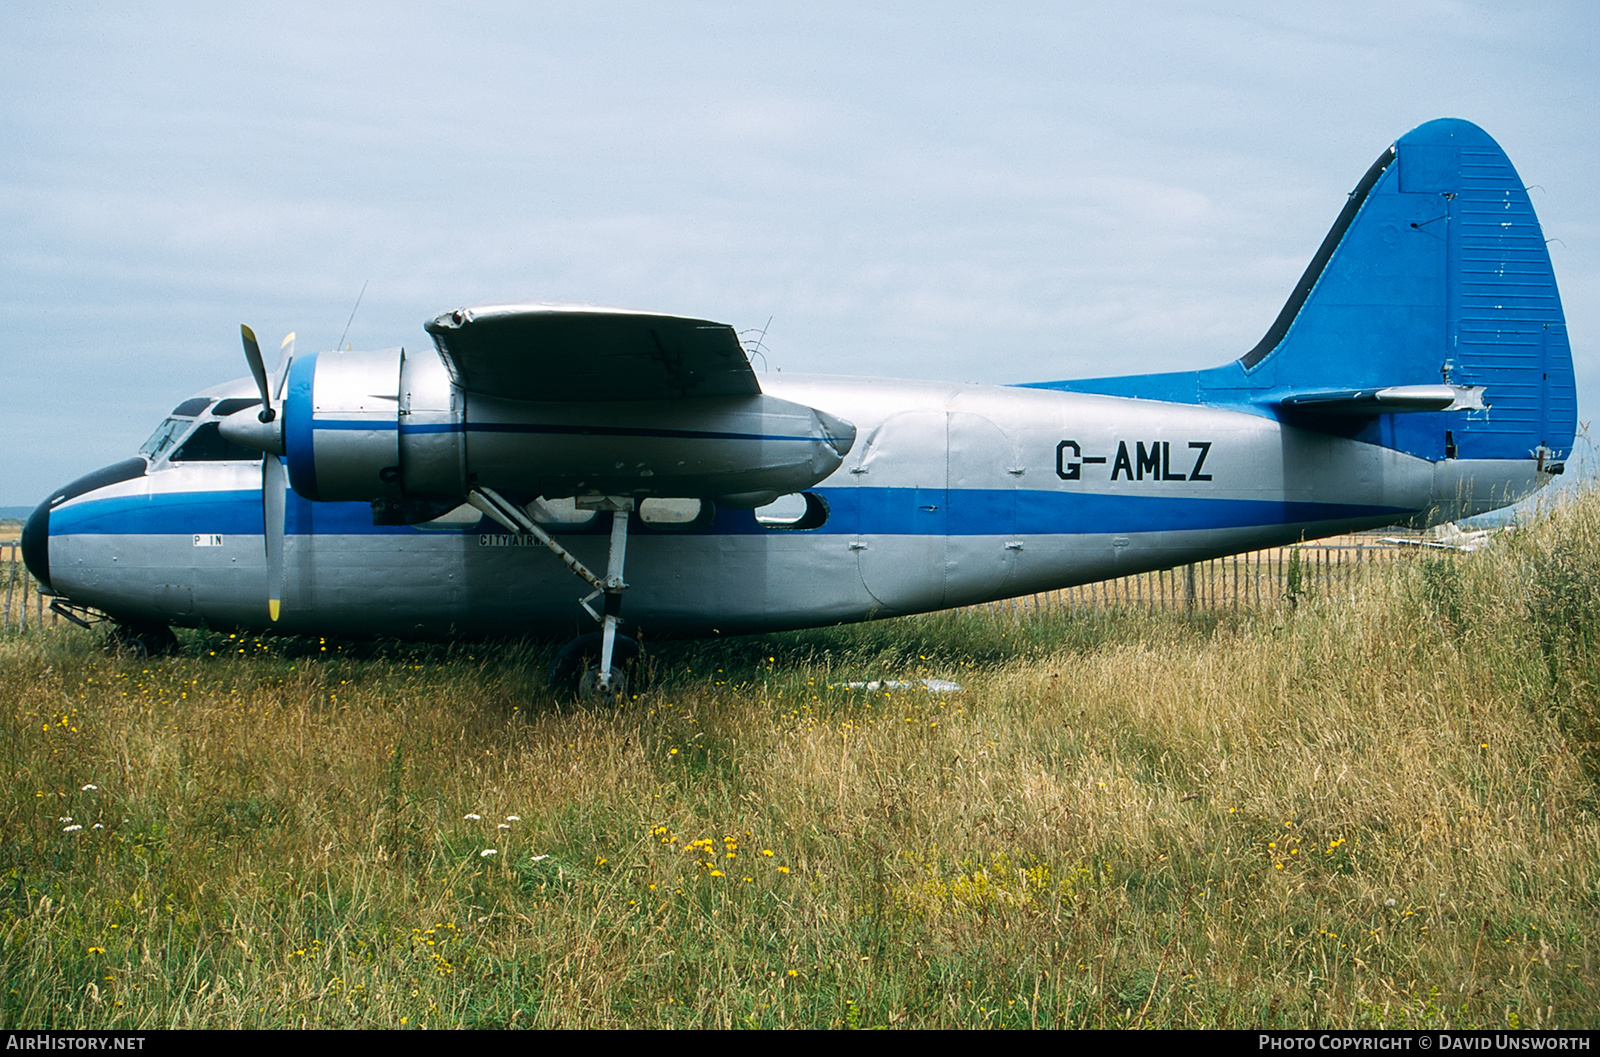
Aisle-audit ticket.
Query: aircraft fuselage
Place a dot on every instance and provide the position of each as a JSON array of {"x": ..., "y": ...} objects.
[{"x": 952, "y": 495}]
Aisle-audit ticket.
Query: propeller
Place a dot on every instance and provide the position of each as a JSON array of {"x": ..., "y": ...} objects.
[{"x": 263, "y": 431}]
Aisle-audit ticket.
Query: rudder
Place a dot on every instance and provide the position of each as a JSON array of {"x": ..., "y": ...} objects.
[{"x": 1441, "y": 276}]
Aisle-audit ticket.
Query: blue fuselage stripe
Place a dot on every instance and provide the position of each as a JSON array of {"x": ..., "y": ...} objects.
[{"x": 863, "y": 511}]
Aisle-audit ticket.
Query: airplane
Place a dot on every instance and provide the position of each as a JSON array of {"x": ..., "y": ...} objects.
[{"x": 542, "y": 467}]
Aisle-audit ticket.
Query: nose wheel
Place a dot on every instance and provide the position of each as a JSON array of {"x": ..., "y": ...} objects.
[{"x": 143, "y": 639}]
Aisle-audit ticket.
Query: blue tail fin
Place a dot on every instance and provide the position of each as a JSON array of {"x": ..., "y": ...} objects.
[{"x": 1435, "y": 274}]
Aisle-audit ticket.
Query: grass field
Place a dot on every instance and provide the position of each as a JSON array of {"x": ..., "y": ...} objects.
[{"x": 1375, "y": 810}]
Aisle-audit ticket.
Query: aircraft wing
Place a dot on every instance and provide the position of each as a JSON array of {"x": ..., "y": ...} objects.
[{"x": 531, "y": 352}]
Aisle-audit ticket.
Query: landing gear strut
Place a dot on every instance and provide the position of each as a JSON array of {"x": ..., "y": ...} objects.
[{"x": 605, "y": 676}]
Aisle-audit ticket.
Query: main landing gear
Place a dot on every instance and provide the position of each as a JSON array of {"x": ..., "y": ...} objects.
[
  {"x": 598, "y": 666},
  {"x": 576, "y": 668}
]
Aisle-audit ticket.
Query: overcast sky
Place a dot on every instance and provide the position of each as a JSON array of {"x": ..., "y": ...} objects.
[{"x": 1000, "y": 192}]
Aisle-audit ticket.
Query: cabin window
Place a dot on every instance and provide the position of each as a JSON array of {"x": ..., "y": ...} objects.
[
  {"x": 460, "y": 519},
  {"x": 207, "y": 444},
  {"x": 675, "y": 515},
  {"x": 794, "y": 512},
  {"x": 560, "y": 514},
  {"x": 191, "y": 407}
]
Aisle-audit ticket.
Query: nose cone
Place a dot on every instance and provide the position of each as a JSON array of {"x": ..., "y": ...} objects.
[
  {"x": 36, "y": 544},
  {"x": 36, "y": 530}
]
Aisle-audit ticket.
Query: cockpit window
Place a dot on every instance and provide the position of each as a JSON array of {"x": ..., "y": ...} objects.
[
  {"x": 207, "y": 444},
  {"x": 164, "y": 437},
  {"x": 191, "y": 407},
  {"x": 227, "y": 407}
]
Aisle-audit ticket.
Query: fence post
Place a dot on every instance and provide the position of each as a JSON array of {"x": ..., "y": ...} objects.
[{"x": 1236, "y": 583}]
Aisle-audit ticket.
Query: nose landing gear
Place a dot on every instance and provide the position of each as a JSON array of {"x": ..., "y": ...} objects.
[{"x": 143, "y": 639}]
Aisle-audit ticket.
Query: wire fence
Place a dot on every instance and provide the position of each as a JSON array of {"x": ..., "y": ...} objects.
[
  {"x": 1240, "y": 581},
  {"x": 26, "y": 608}
]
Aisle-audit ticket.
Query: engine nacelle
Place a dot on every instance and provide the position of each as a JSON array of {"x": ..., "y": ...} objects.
[
  {"x": 692, "y": 448},
  {"x": 365, "y": 426}
]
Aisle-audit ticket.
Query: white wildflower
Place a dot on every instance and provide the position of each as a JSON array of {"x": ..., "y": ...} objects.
[
  {"x": 485, "y": 853},
  {"x": 513, "y": 818},
  {"x": 472, "y": 817},
  {"x": 69, "y": 829},
  {"x": 86, "y": 788}
]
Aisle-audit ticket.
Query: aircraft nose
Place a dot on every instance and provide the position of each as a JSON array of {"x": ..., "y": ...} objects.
[
  {"x": 36, "y": 544},
  {"x": 36, "y": 530}
]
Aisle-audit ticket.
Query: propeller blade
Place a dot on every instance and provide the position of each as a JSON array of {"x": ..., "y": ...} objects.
[
  {"x": 261, "y": 430},
  {"x": 258, "y": 368},
  {"x": 274, "y": 487},
  {"x": 280, "y": 374}
]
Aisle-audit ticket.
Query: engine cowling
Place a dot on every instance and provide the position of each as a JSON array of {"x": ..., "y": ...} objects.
[{"x": 370, "y": 426}]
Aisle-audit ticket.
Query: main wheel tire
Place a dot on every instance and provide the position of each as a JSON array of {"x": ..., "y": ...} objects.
[{"x": 575, "y": 672}]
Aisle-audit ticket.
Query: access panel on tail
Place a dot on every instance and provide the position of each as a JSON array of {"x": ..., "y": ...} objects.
[{"x": 1428, "y": 322}]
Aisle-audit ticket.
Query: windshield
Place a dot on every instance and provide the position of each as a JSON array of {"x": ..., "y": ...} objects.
[{"x": 165, "y": 436}]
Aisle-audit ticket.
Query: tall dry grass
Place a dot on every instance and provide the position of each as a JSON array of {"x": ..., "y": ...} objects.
[{"x": 1369, "y": 810}]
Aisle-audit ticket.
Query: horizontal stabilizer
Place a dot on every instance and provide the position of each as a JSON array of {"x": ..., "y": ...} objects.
[{"x": 1394, "y": 399}]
